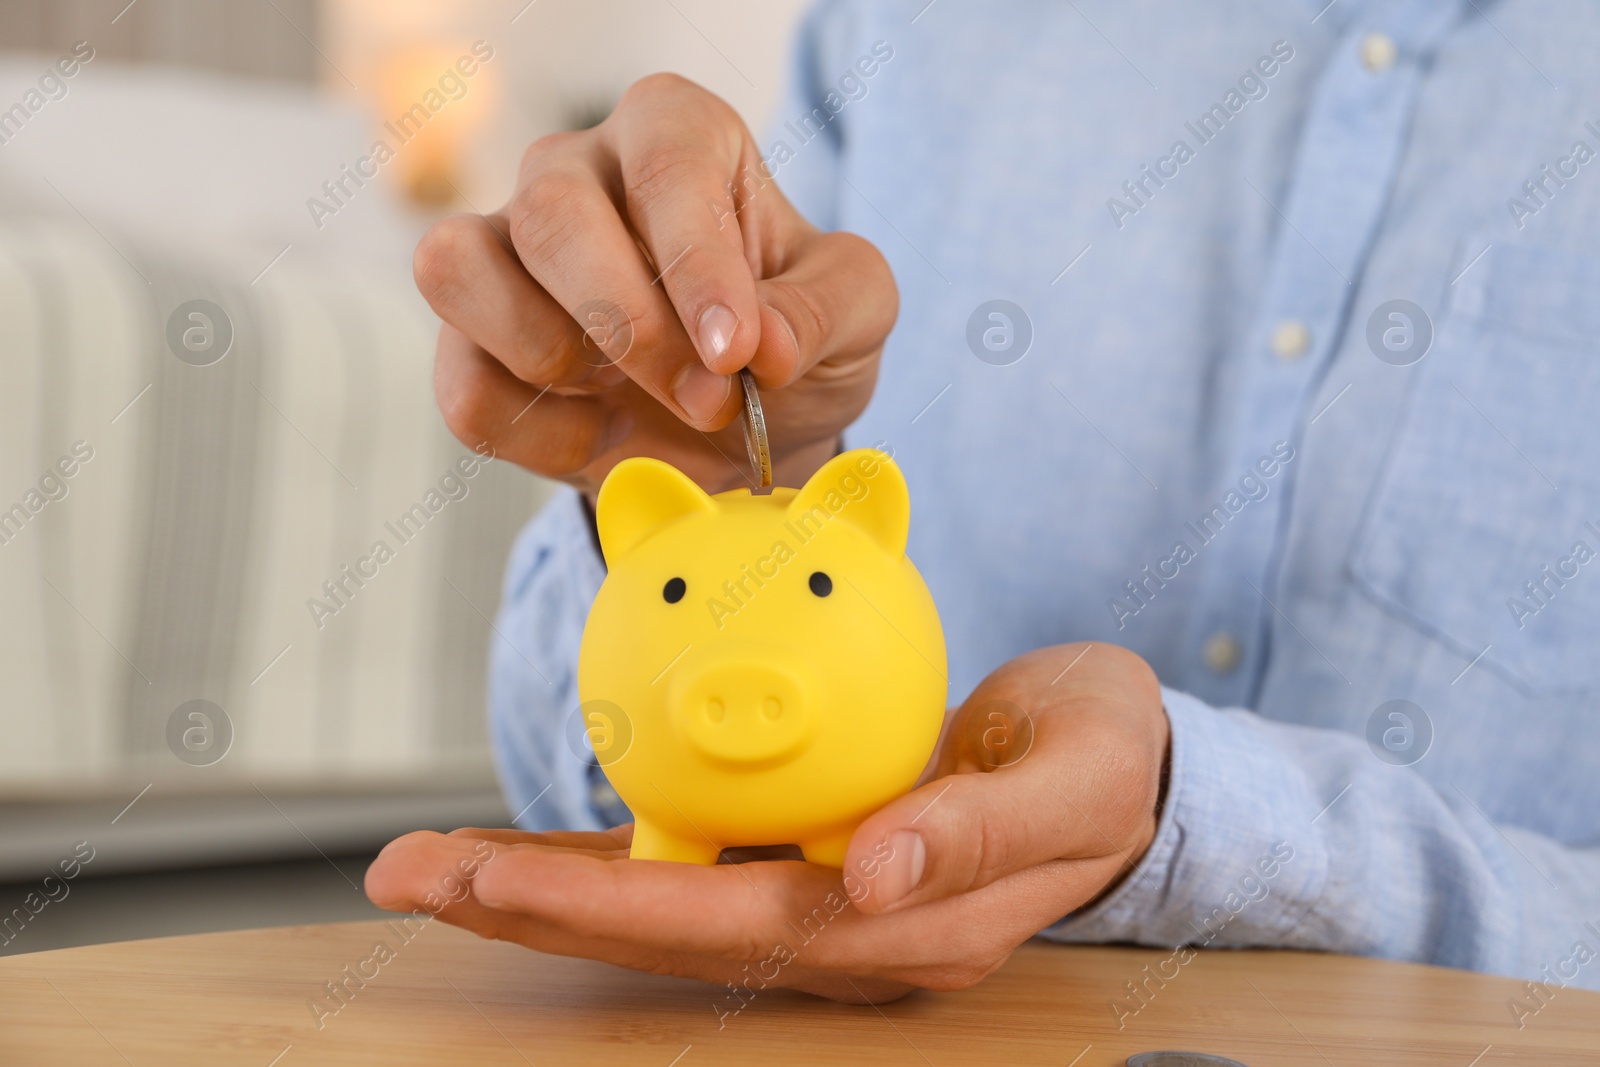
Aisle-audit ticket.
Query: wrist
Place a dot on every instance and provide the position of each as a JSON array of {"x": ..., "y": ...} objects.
[{"x": 1156, "y": 806}]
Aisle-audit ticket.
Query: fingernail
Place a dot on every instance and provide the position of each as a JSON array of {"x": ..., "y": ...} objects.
[
  {"x": 904, "y": 870},
  {"x": 699, "y": 392},
  {"x": 716, "y": 327}
]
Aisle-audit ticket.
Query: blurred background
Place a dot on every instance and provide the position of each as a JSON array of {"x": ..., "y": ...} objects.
[{"x": 216, "y": 403}]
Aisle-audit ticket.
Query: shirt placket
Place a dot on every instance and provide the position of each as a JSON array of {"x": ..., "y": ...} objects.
[{"x": 1326, "y": 215}]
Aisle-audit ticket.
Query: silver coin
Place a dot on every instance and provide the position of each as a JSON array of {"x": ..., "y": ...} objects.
[
  {"x": 1180, "y": 1059},
  {"x": 755, "y": 431}
]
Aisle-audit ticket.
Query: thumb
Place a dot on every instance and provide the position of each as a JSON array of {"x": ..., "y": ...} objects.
[
  {"x": 832, "y": 300},
  {"x": 953, "y": 835},
  {"x": 964, "y": 831}
]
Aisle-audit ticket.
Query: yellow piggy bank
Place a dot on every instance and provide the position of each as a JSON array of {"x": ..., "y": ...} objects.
[{"x": 759, "y": 670}]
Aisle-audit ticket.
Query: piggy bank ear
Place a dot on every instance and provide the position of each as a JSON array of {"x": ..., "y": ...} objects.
[
  {"x": 638, "y": 498},
  {"x": 864, "y": 488}
]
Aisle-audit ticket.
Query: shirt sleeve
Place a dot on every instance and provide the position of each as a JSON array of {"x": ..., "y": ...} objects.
[
  {"x": 551, "y": 581},
  {"x": 1297, "y": 837}
]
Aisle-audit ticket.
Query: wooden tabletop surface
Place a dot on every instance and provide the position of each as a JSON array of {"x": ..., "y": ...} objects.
[{"x": 258, "y": 998}]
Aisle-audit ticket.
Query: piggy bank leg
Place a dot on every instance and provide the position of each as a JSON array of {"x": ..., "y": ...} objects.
[
  {"x": 827, "y": 851},
  {"x": 650, "y": 842}
]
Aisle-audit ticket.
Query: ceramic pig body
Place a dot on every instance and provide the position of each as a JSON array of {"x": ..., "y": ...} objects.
[{"x": 768, "y": 669}]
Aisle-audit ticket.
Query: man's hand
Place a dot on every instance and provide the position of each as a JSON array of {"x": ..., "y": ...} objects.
[
  {"x": 601, "y": 312},
  {"x": 1048, "y": 785}
]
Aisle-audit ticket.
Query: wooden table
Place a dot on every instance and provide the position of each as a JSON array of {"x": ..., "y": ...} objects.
[{"x": 446, "y": 997}]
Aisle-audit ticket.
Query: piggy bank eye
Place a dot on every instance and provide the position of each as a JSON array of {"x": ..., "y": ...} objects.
[
  {"x": 821, "y": 584},
  {"x": 673, "y": 591}
]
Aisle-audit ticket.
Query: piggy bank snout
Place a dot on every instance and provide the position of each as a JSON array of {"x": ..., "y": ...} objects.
[{"x": 745, "y": 710}]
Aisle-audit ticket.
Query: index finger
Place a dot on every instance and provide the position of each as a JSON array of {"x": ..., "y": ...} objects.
[
  {"x": 570, "y": 237},
  {"x": 745, "y": 912},
  {"x": 688, "y": 167}
]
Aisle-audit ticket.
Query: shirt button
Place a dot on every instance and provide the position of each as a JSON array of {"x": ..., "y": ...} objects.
[
  {"x": 1290, "y": 339},
  {"x": 1223, "y": 652},
  {"x": 1377, "y": 52}
]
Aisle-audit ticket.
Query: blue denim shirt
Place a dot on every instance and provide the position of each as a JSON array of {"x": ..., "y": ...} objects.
[{"x": 1294, "y": 394}]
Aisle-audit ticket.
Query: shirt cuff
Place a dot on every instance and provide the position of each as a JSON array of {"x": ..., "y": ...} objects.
[{"x": 1237, "y": 858}]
